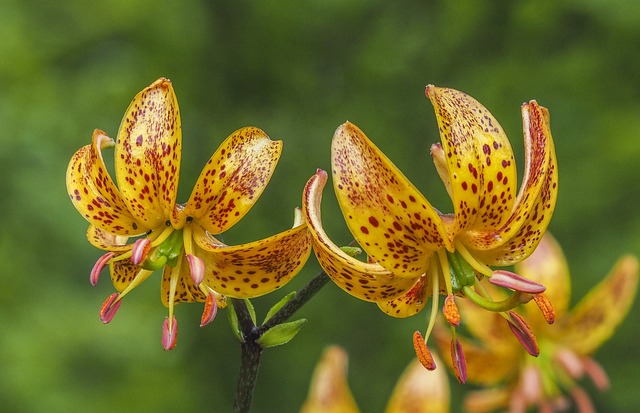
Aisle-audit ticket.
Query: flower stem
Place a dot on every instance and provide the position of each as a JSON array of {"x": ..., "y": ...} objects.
[{"x": 251, "y": 350}]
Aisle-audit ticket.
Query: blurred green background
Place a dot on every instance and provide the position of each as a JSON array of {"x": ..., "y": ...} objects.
[{"x": 296, "y": 70}]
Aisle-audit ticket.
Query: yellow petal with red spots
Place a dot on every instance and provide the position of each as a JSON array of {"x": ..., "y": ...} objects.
[
  {"x": 256, "y": 268},
  {"x": 487, "y": 401},
  {"x": 366, "y": 281},
  {"x": 535, "y": 203},
  {"x": 386, "y": 214},
  {"x": 233, "y": 179},
  {"x": 420, "y": 391},
  {"x": 107, "y": 241},
  {"x": 186, "y": 291},
  {"x": 93, "y": 192},
  {"x": 122, "y": 273},
  {"x": 329, "y": 391},
  {"x": 480, "y": 163},
  {"x": 411, "y": 303},
  {"x": 548, "y": 266},
  {"x": 599, "y": 313},
  {"x": 148, "y": 154}
]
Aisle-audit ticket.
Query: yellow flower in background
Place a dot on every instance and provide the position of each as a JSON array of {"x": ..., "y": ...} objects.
[
  {"x": 415, "y": 251},
  {"x": 143, "y": 230},
  {"x": 548, "y": 382},
  {"x": 417, "y": 390}
]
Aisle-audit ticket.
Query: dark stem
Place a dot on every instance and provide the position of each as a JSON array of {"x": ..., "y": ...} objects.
[{"x": 251, "y": 350}]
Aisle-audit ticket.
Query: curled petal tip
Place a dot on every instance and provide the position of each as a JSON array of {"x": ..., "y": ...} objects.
[
  {"x": 169, "y": 333},
  {"x": 99, "y": 265},
  {"x": 459, "y": 362},
  {"x": 196, "y": 267},
  {"x": 210, "y": 309},
  {"x": 422, "y": 352},
  {"x": 515, "y": 282},
  {"x": 523, "y": 333},
  {"x": 140, "y": 250},
  {"x": 109, "y": 308}
]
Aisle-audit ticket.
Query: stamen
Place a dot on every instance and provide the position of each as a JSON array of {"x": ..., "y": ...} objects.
[
  {"x": 446, "y": 271},
  {"x": 583, "y": 402},
  {"x": 459, "y": 362},
  {"x": 515, "y": 282},
  {"x": 435, "y": 299},
  {"x": 162, "y": 236},
  {"x": 477, "y": 265},
  {"x": 137, "y": 280},
  {"x": 531, "y": 385},
  {"x": 196, "y": 269},
  {"x": 210, "y": 309},
  {"x": 523, "y": 333},
  {"x": 140, "y": 250},
  {"x": 98, "y": 266},
  {"x": 110, "y": 307},
  {"x": 596, "y": 372},
  {"x": 169, "y": 333},
  {"x": 422, "y": 351},
  {"x": 571, "y": 363},
  {"x": 450, "y": 311},
  {"x": 545, "y": 306}
]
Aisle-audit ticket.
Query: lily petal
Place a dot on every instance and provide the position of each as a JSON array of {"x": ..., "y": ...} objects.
[
  {"x": 420, "y": 391},
  {"x": 94, "y": 193},
  {"x": 256, "y": 268},
  {"x": 548, "y": 266},
  {"x": 186, "y": 291},
  {"x": 386, "y": 214},
  {"x": 367, "y": 281},
  {"x": 480, "y": 163},
  {"x": 599, "y": 313},
  {"x": 487, "y": 401},
  {"x": 233, "y": 179},
  {"x": 148, "y": 154},
  {"x": 122, "y": 273},
  {"x": 329, "y": 391},
  {"x": 107, "y": 241},
  {"x": 535, "y": 203},
  {"x": 411, "y": 303}
]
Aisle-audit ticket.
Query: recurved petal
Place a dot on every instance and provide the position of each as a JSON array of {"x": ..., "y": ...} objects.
[
  {"x": 186, "y": 291},
  {"x": 93, "y": 192},
  {"x": 253, "y": 269},
  {"x": 386, "y": 214},
  {"x": 410, "y": 303},
  {"x": 420, "y": 391},
  {"x": 233, "y": 179},
  {"x": 366, "y": 281},
  {"x": 148, "y": 154},
  {"x": 534, "y": 206},
  {"x": 598, "y": 314},
  {"x": 548, "y": 266},
  {"x": 479, "y": 161},
  {"x": 107, "y": 241},
  {"x": 122, "y": 273}
]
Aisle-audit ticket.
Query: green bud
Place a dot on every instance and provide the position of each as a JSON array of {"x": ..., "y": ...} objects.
[
  {"x": 281, "y": 334},
  {"x": 462, "y": 273}
]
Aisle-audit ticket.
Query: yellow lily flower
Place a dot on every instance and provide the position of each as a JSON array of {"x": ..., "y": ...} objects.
[
  {"x": 143, "y": 230},
  {"x": 417, "y": 391},
  {"x": 549, "y": 382},
  {"x": 414, "y": 250}
]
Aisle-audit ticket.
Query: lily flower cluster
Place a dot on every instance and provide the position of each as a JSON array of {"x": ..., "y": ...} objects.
[
  {"x": 417, "y": 390},
  {"x": 549, "y": 382},
  {"x": 415, "y": 251},
  {"x": 137, "y": 221}
]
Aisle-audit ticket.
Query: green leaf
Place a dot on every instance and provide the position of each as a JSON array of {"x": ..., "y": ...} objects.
[
  {"x": 252, "y": 311},
  {"x": 281, "y": 334},
  {"x": 233, "y": 322},
  {"x": 351, "y": 251},
  {"x": 277, "y": 306}
]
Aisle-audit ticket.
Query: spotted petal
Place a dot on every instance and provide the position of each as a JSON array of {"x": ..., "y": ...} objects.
[
  {"x": 420, "y": 391},
  {"x": 386, "y": 214},
  {"x": 535, "y": 203},
  {"x": 548, "y": 266},
  {"x": 481, "y": 171},
  {"x": 599, "y": 313},
  {"x": 122, "y": 273},
  {"x": 256, "y": 268},
  {"x": 186, "y": 291},
  {"x": 107, "y": 241},
  {"x": 367, "y": 281},
  {"x": 94, "y": 193},
  {"x": 233, "y": 179},
  {"x": 148, "y": 154},
  {"x": 410, "y": 303}
]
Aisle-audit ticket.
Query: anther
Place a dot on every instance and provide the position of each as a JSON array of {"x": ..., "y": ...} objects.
[
  {"x": 98, "y": 266},
  {"x": 109, "y": 308},
  {"x": 459, "y": 362},
  {"x": 169, "y": 333},
  {"x": 422, "y": 351},
  {"x": 515, "y": 282},
  {"x": 545, "y": 307},
  {"x": 196, "y": 268},
  {"x": 450, "y": 311},
  {"x": 523, "y": 333},
  {"x": 140, "y": 250},
  {"x": 210, "y": 309}
]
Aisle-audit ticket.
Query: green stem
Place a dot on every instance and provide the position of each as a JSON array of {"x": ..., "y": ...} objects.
[
  {"x": 251, "y": 350},
  {"x": 497, "y": 306}
]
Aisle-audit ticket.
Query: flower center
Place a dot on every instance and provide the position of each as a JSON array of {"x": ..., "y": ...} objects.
[{"x": 166, "y": 253}]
